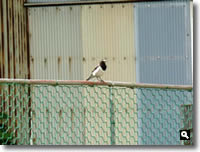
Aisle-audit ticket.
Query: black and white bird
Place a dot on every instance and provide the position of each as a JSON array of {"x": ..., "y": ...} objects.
[{"x": 98, "y": 71}]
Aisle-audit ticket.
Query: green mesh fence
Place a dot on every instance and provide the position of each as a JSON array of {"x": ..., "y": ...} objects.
[{"x": 44, "y": 114}]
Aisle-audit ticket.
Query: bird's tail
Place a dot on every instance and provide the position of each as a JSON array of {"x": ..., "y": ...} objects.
[{"x": 89, "y": 78}]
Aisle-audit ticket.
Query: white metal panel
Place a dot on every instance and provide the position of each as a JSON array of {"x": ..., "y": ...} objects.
[
  {"x": 55, "y": 43},
  {"x": 55, "y": 53}
]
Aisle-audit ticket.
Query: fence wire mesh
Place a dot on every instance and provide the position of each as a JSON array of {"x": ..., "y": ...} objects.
[{"x": 43, "y": 114}]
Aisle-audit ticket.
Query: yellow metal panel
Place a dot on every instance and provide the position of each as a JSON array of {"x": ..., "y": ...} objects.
[{"x": 107, "y": 32}]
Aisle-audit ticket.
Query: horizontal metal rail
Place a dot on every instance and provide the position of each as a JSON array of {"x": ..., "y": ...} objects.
[
  {"x": 92, "y": 83},
  {"x": 48, "y": 4}
]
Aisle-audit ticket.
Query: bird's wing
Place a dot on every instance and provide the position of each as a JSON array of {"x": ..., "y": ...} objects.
[{"x": 95, "y": 68}]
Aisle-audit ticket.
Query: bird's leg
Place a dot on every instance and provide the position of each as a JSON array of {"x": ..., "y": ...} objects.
[
  {"x": 90, "y": 77},
  {"x": 101, "y": 79},
  {"x": 97, "y": 78}
]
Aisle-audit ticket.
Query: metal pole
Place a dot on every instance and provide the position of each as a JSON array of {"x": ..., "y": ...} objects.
[
  {"x": 112, "y": 118},
  {"x": 53, "y": 4},
  {"x": 90, "y": 83}
]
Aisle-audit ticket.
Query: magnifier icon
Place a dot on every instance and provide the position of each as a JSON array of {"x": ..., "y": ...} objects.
[{"x": 184, "y": 134}]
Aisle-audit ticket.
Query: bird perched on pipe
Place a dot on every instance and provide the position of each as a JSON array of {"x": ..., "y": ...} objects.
[{"x": 98, "y": 71}]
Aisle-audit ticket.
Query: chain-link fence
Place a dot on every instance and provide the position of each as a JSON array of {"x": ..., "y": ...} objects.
[
  {"x": 90, "y": 113},
  {"x": 186, "y": 122}
]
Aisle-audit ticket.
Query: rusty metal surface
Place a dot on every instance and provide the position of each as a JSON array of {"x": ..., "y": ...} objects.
[
  {"x": 55, "y": 43},
  {"x": 63, "y": 51},
  {"x": 67, "y": 42},
  {"x": 14, "y": 58},
  {"x": 13, "y": 40}
]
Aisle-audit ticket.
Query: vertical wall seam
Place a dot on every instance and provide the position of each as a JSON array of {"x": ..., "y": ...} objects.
[
  {"x": 2, "y": 45},
  {"x": 13, "y": 25},
  {"x": 8, "y": 51}
]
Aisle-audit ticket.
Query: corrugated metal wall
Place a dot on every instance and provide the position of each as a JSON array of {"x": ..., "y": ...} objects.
[
  {"x": 163, "y": 55},
  {"x": 13, "y": 46},
  {"x": 14, "y": 60},
  {"x": 45, "y": 1},
  {"x": 163, "y": 43},
  {"x": 107, "y": 32},
  {"x": 68, "y": 42},
  {"x": 55, "y": 53},
  {"x": 55, "y": 43}
]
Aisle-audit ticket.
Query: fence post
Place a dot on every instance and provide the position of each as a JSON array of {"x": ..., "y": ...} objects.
[
  {"x": 186, "y": 122},
  {"x": 112, "y": 118}
]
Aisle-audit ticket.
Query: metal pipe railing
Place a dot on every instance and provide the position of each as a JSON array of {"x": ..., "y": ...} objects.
[
  {"x": 91, "y": 83},
  {"x": 48, "y": 4}
]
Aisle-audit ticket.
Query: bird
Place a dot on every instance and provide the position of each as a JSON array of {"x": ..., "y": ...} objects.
[{"x": 98, "y": 71}]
